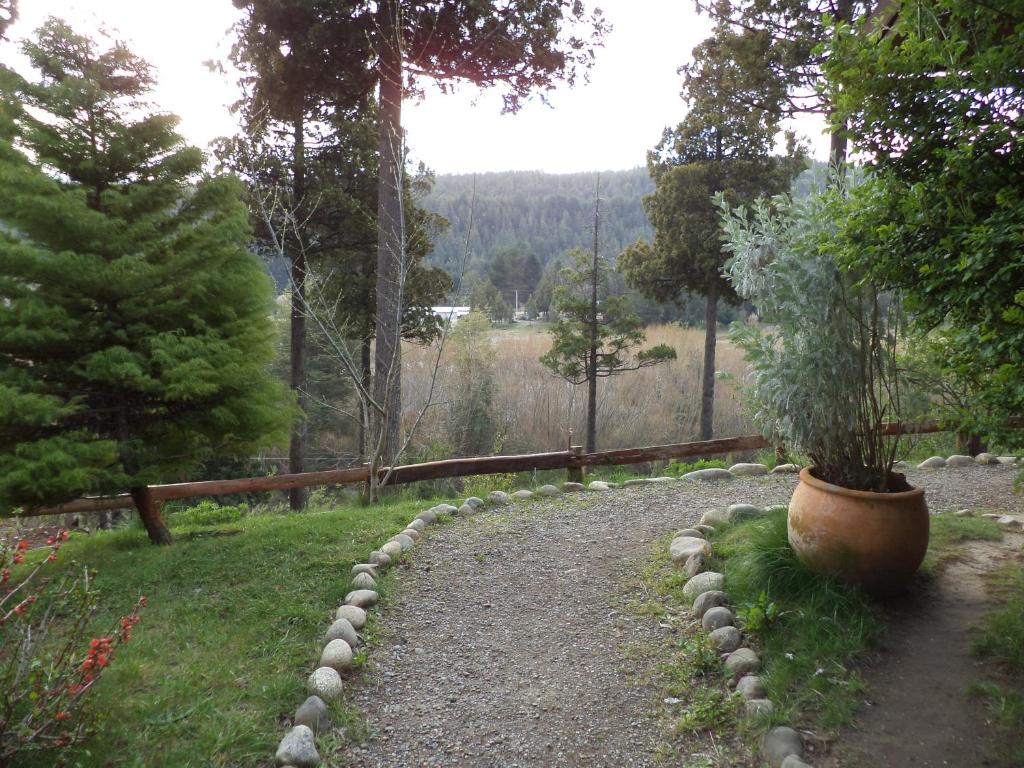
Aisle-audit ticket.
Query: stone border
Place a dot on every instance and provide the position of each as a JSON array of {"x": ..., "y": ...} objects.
[
  {"x": 957, "y": 460},
  {"x": 690, "y": 550}
]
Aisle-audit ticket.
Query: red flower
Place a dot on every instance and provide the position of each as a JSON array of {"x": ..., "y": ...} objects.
[
  {"x": 62, "y": 715},
  {"x": 23, "y": 545}
]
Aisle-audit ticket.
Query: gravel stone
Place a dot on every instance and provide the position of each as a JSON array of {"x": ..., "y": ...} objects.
[
  {"x": 379, "y": 558},
  {"x": 342, "y": 629},
  {"x": 363, "y": 581},
  {"x": 499, "y": 497},
  {"x": 707, "y": 600},
  {"x": 313, "y": 714},
  {"x": 298, "y": 748},
  {"x": 353, "y": 615},
  {"x": 716, "y": 618},
  {"x": 362, "y": 598},
  {"x": 504, "y": 639},
  {"x": 959, "y": 460},
  {"x": 703, "y": 582},
  {"x": 933, "y": 462},
  {"x": 337, "y": 654},
  {"x": 725, "y": 639},
  {"x": 738, "y": 512},
  {"x": 708, "y": 475},
  {"x": 755, "y": 707},
  {"x": 325, "y": 682},
  {"x": 748, "y": 470},
  {"x": 548, "y": 490},
  {"x": 393, "y": 550},
  {"x": 741, "y": 662},
  {"x": 682, "y": 548},
  {"x": 781, "y": 742},
  {"x": 522, "y": 494},
  {"x": 750, "y": 687}
]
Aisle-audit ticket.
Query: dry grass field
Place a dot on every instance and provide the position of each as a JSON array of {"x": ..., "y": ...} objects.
[{"x": 536, "y": 411}]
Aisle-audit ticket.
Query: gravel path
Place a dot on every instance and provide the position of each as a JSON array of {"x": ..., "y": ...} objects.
[{"x": 505, "y": 642}]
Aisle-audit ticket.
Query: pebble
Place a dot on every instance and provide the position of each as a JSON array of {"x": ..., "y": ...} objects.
[
  {"x": 405, "y": 542},
  {"x": 298, "y": 748},
  {"x": 750, "y": 687},
  {"x": 703, "y": 582},
  {"x": 599, "y": 485},
  {"x": 964, "y": 513},
  {"x": 748, "y": 470},
  {"x": 499, "y": 497},
  {"x": 362, "y": 598},
  {"x": 370, "y": 568},
  {"x": 725, "y": 639},
  {"x": 716, "y": 618},
  {"x": 353, "y": 615},
  {"x": 738, "y": 512},
  {"x": 695, "y": 564},
  {"x": 475, "y": 502},
  {"x": 781, "y": 742},
  {"x": 786, "y": 469},
  {"x": 548, "y": 490},
  {"x": 522, "y": 494},
  {"x": 325, "y": 682},
  {"x": 708, "y": 475},
  {"x": 313, "y": 714},
  {"x": 342, "y": 629},
  {"x": 393, "y": 550},
  {"x": 755, "y": 707},
  {"x": 741, "y": 662},
  {"x": 337, "y": 654},
  {"x": 934, "y": 462},
  {"x": 708, "y": 600},
  {"x": 1011, "y": 522},
  {"x": 635, "y": 481},
  {"x": 363, "y": 581},
  {"x": 417, "y": 525},
  {"x": 682, "y": 548},
  {"x": 959, "y": 460},
  {"x": 573, "y": 487}
]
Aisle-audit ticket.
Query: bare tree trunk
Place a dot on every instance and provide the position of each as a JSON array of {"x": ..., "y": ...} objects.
[
  {"x": 366, "y": 372},
  {"x": 149, "y": 513},
  {"x": 707, "y": 394},
  {"x": 837, "y": 138},
  {"x": 591, "y": 445},
  {"x": 390, "y": 232},
  {"x": 297, "y": 497}
]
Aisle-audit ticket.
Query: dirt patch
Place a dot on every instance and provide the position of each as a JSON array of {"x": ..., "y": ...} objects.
[{"x": 918, "y": 712}]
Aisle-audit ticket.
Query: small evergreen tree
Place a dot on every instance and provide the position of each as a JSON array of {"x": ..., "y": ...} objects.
[
  {"x": 596, "y": 334},
  {"x": 135, "y": 327}
]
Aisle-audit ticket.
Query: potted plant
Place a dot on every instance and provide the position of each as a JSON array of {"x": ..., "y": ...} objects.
[{"x": 825, "y": 380}]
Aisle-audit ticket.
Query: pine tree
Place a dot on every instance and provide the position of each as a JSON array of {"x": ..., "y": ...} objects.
[{"x": 135, "y": 327}]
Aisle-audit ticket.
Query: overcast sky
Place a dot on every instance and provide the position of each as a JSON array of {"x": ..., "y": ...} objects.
[{"x": 606, "y": 124}]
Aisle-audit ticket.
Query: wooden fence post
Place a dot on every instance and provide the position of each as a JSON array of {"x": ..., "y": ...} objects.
[{"x": 576, "y": 470}]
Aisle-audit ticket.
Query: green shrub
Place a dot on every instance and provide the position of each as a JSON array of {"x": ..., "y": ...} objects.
[{"x": 206, "y": 512}]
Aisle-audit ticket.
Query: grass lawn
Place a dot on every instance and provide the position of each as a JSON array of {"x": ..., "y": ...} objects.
[{"x": 234, "y": 624}]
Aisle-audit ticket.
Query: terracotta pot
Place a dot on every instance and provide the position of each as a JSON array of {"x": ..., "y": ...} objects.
[{"x": 874, "y": 540}]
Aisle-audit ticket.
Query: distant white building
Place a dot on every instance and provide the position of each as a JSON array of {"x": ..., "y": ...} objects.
[{"x": 450, "y": 314}]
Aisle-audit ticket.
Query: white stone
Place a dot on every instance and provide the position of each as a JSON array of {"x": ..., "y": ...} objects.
[
  {"x": 417, "y": 525},
  {"x": 750, "y": 687},
  {"x": 708, "y": 475},
  {"x": 573, "y": 487},
  {"x": 705, "y": 601},
  {"x": 716, "y": 618},
  {"x": 325, "y": 682},
  {"x": 725, "y": 639},
  {"x": 444, "y": 509},
  {"x": 1006, "y": 459},
  {"x": 661, "y": 480},
  {"x": 738, "y": 512},
  {"x": 498, "y": 497},
  {"x": 755, "y": 707},
  {"x": 380, "y": 559},
  {"x": 474, "y": 501},
  {"x": 363, "y": 581},
  {"x": 703, "y": 582},
  {"x": 785, "y": 469},
  {"x": 548, "y": 490},
  {"x": 714, "y": 516},
  {"x": 298, "y": 748},
  {"x": 960, "y": 460},
  {"x": 393, "y": 550},
  {"x": 781, "y": 742},
  {"x": 748, "y": 470},
  {"x": 342, "y": 629},
  {"x": 412, "y": 533},
  {"x": 599, "y": 485},
  {"x": 933, "y": 462},
  {"x": 337, "y": 655},
  {"x": 353, "y": 614},
  {"x": 522, "y": 494},
  {"x": 370, "y": 568},
  {"x": 362, "y": 598},
  {"x": 684, "y": 547},
  {"x": 635, "y": 481},
  {"x": 428, "y": 516},
  {"x": 986, "y": 459},
  {"x": 792, "y": 761},
  {"x": 405, "y": 542},
  {"x": 689, "y": 532},
  {"x": 313, "y": 714},
  {"x": 466, "y": 510}
]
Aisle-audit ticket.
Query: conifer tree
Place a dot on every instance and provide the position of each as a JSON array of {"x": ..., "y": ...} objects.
[{"x": 135, "y": 326}]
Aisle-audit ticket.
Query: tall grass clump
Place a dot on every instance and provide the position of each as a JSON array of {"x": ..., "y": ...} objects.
[
  {"x": 1002, "y": 633},
  {"x": 810, "y": 627}
]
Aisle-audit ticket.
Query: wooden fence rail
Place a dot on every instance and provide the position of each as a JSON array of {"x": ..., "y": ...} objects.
[{"x": 574, "y": 461}]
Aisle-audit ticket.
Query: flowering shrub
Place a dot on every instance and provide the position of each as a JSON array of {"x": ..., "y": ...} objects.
[{"x": 46, "y": 665}]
